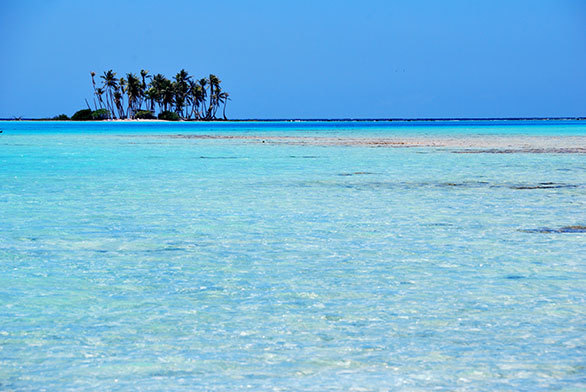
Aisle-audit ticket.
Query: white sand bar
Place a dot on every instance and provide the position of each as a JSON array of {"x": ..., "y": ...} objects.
[{"x": 462, "y": 144}]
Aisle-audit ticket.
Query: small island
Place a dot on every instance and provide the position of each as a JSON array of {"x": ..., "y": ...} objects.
[{"x": 141, "y": 97}]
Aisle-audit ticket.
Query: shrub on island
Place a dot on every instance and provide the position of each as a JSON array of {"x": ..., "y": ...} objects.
[
  {"x": 169, "y": 116},
  {"x": 100, "y": 114},
  {"x": 144, "y": 115},
  {"x": 82, "y": 115},
  {"x": 88, "y": 115},
  {"x": 61, "y": 117}
]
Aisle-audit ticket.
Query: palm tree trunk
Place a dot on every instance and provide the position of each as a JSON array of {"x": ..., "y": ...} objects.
[
  {"x": 193, "y": 111},
  {"x": 94, "y": 85},
  {"x": 209, "y": 113},
  {"x": 111, "y": 103}
]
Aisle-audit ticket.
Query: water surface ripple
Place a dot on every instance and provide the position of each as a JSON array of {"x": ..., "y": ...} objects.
[{"x": 130, "y": 260}]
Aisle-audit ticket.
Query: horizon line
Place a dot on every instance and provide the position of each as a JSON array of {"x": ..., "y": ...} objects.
[{"x": 350, "y": 119}]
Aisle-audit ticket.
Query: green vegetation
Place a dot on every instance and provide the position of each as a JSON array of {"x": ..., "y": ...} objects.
[
  {"x": 100, "y": 114},
  {"x": 61, "y": 117},
  {"x": 138, "y": 96},
  {"x": 87, "y": 115},
  {"x": 82, "y": 115},
  {"x": 169, "y": 116},
  {"x": 144, "y": 115}
]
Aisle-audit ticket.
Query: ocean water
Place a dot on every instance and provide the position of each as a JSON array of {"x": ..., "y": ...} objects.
[{"x": 133, "y": 259}]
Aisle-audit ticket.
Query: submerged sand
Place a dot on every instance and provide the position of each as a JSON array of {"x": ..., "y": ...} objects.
[{"x": 459, "y": 144}]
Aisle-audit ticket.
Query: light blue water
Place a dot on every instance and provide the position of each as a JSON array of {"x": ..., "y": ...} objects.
[
  {"x": 324, "y": 128},
  {"x": 134, "y": 261}
]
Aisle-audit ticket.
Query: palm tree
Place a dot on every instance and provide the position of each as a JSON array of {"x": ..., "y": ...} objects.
[
  {"x": 133, "y": 91},
  {"x": 110, "y": 84},
  {"x": 150, "y": 95},
  {"x": 167, "y": 94},
  {"x": 220, "y": 97},
  {"x": 122, "y": 92},
  {"x": 118, "y": 100},
  {"x": 156, "y": 89},
  {"x": 214, "y": 85},
  {"x": 181, "y": 87},
  {"x": 197, "y": 98},
  {"x": 224, "y": 97},
  {"x": 144, "y": 74},
  {"x": 184, "y": 95},
  {"x": 203, "y": 82},
  {"x": 98, "y": 93},
  {"x": 216, "y": 102},
  {"x": 93, "y": 74}
]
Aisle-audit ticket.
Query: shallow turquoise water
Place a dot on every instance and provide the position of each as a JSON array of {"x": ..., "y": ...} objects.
[
  {"x": 134, "y": 261},
  {"x": 323, "y": 128}
]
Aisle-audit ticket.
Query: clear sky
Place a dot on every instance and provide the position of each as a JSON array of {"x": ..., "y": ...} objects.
[{"x": 306, "y": 59}]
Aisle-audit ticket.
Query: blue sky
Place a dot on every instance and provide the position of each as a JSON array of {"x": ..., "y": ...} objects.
[{"x": 307, "y": 59}]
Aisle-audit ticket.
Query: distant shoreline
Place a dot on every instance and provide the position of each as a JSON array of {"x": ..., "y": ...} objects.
[{"x": 448, "y": 119}]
